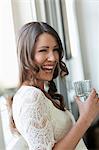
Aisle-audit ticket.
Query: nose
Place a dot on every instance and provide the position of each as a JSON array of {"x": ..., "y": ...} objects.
[{"x": 51, "y": 57}]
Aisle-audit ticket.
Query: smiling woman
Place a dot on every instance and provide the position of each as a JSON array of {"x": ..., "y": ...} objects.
[
  {"x": 37, "y": 114},
  {"x": 29, "y": 99}
]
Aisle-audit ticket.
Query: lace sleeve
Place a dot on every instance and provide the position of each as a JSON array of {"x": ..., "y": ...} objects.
[{"x": 33, "y": 121}]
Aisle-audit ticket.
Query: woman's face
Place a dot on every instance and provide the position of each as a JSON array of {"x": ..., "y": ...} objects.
[{"x": 46, "y": 56}]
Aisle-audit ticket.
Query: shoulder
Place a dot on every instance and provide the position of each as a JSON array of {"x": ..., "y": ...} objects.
[
  {"x": 27, "y": 100},
  {"x": 28, "y": 93},
  {"x": 27, "y": 90}
]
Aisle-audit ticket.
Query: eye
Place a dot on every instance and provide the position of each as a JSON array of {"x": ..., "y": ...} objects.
[
  {"x": 56, "y": 49},
  {"x": 43, "y": 50}
]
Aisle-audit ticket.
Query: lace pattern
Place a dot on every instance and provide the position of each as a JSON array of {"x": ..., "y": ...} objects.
[{"x": 33, "y": 121}]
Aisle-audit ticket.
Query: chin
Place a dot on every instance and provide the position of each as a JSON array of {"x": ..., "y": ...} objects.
[{"x": 47, "y": 78}]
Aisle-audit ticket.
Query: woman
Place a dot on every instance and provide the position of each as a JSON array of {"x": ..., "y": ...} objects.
[{"x": 38, "y": 112}]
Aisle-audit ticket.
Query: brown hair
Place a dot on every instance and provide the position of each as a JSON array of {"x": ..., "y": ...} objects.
[{"x": 28, "y": 69}]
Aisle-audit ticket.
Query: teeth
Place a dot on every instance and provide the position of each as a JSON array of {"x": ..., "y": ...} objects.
[{"x": 49, "y": 67}]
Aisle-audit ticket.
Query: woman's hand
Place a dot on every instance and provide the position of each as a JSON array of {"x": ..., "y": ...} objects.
[{"x": 89, "y": 109}]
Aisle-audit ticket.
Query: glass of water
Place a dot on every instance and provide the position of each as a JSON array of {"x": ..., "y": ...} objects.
[{"x": 82, "y": 88}]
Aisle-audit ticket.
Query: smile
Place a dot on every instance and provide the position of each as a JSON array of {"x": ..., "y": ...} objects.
[{"x": 48, "y": 68}]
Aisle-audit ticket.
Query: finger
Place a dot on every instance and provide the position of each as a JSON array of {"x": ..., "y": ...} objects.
[
  {"x": 78, "y": 101},
  {"x": 93, "y": 93}
]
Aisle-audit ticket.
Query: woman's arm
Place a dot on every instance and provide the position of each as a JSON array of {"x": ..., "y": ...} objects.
[
  {"x": 88, "y": 111},
  {"x": 70, "y": 141}
]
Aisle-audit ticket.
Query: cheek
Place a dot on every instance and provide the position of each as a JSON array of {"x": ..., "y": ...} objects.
[
  {"x": 57, "y": 57},
  {"x": 39, "y": 58}
]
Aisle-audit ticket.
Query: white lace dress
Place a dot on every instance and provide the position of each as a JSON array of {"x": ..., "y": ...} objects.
[{"x": 39, "y": 121}]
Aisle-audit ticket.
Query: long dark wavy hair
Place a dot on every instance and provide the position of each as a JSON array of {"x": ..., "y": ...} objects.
[{"x": 28, "y": 36}]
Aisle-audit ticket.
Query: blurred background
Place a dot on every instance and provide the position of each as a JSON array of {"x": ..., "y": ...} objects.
[{"x": 77, "y": 22}]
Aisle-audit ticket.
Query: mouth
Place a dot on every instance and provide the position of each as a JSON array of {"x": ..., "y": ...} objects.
[{"x": 48, "y": 68}]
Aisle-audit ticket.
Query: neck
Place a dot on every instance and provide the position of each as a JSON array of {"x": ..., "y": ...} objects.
[{"x": 40, "y": 84}]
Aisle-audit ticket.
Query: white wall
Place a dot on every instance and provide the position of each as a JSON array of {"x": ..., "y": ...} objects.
[{"x": 88, "y": 25}]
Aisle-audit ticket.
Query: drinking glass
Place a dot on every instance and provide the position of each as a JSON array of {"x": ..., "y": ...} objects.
[{"x": 82, "y": 88}]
